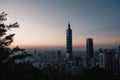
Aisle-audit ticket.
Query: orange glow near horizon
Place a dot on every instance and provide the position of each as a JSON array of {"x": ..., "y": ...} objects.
[
  {"x": 82, "y": 43},
  {"x": 35, "y": 45},
  {"x": 98, "y": 42}
]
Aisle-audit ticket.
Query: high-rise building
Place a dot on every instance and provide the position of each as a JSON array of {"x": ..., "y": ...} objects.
[
  {"x": 84, "y": 62},
  {"x": 119, "y": 57},
  {"x": 69, "y": 42},
  {"x": 119, "y": 50},
  {"x": 101, "y": 60},
  {"x": 90, "y": 52},
  {"x": 109, "y": 59}
]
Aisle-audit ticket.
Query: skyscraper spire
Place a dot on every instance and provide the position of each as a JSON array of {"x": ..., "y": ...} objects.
[{"x": 69, "y": 24}]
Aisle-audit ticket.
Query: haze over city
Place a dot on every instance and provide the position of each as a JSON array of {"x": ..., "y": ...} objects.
[{"x": 43, "y": 23}]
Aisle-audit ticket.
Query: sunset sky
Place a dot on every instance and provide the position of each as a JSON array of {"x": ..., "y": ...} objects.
[{"x": 43, "y": 23}]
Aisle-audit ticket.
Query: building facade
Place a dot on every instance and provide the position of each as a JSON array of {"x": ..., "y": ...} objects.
[
  {"x": 101, "y": 60},
  {"x": 110, "y": 59},
  {"x": 90, "y": 52}
]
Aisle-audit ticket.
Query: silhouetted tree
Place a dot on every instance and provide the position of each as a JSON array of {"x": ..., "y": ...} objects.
[
  {"x": 9, "y": 69},
  {"x": 6, "y": 40}
]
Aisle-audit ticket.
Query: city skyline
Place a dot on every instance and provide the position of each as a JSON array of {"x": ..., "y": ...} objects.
[{"x": 43, "y": 23}]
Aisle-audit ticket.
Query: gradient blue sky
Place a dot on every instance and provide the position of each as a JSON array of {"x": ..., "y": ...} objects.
[{"x": 43, "y": 23}]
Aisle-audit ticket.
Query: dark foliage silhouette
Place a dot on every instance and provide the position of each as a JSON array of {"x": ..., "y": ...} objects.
[
  {"x": 9, "y": 68},
  {"x": 6, "y": 40}
]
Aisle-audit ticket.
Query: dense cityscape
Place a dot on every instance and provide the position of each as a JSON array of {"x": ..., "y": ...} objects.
[
  {"x": 60, "y": 40},
  {"x": 103, "y": 58}
]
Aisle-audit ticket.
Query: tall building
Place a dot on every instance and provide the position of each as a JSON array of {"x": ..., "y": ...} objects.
[
  {"x": 101, "y": 60},
  {"x": 119, "y": 50},
  {"x": 84, "y": 62},
  {"x": 69, "y": 42},
  {"x": 110, "y": 59},
  {"x": 119, "y": 57},
  {"x": 90, "y": 52}
]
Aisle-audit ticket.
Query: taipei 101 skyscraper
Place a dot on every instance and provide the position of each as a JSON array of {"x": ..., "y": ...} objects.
[{"x": 69, "y": 42}]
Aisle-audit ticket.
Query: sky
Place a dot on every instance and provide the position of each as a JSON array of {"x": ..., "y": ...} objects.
[{"x": 43, "y": 23}]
